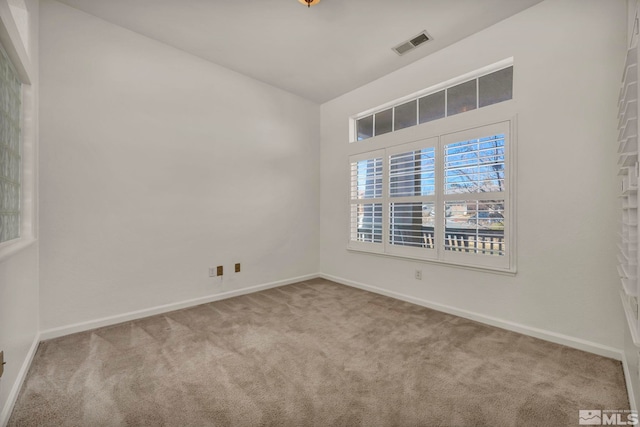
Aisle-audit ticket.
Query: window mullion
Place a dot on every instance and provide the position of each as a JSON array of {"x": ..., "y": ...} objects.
[
  {"x": 438, "y": 227},
  {"x": 386, "y": 205}
]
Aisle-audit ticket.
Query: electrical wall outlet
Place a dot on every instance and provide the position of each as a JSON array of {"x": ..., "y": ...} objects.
[
  {"x": 212, "y": 272},
  {"x": 219, "y": 270},
  {"x": 418, "y": 275},
  {"x": 237, "y": 267}
]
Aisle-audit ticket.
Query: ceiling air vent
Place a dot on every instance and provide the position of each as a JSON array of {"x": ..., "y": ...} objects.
[{"x": 411, "y": 44}]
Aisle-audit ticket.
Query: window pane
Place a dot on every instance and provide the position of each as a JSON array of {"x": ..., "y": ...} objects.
[
  {"x": 366, "y": 222},
  {"x": 495, "y": 87},
  {"x": 383, "y": 121},
  {"x": 365, "y": 128},
  {"x": 412, "y": 224},
  {"x": 475, "y": 226},
  {"x": 474, "y": 166},
  {"x": 432, "y": 107},
  {"x": 405, "y": 115},
  {"x": 366, "y": 179},
  {"x": 10, "y": 161},
  {"x": 461, "y": 98},
  {"x": 412, "y": 173}
]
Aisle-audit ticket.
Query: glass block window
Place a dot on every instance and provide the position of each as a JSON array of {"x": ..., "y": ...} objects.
[
  {"x": 10, "y": 150},
  {"x": 446, "y": 100}
]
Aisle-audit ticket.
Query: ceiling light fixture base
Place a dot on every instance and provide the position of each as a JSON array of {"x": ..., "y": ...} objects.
[{"x": 309, "y": 3}]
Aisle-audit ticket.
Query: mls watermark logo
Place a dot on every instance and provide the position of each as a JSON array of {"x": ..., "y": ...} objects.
[
  {"x": 597, "y": 417},
  {"x": 589, "y": 417}
]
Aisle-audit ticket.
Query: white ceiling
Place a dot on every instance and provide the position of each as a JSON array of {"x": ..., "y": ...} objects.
[{"x": 317, "y": 53}]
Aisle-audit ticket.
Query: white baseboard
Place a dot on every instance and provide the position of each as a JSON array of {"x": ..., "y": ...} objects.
[
  {"x": 557, "y": 338},
  {"x": 133, "y": 315},
  {"x": 627, "y": 380},
  {"x": 15, "y": 389}
]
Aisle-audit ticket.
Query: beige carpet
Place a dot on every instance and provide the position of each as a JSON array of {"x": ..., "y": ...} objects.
[{"x": 312, "y": 354}]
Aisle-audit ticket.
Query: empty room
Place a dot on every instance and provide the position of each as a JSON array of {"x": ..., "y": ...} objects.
[{"x": 319, "y": 213}]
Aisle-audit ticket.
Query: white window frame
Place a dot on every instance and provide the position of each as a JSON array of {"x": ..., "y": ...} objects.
[
  {"x": 13, "y": 44},
  {"x": 476, "y": 124}
]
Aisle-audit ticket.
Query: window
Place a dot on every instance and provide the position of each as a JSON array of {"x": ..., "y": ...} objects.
[
  {"x": 366, "y": 198},
  {"x": 18, "y": 132},
  {"x": 486, "y": 88},
  {"x": 475, "y": 195},
  {"x": 411, "y": 198},
  {"x": 444, "y": 198},
  {"x": 10, "y": 150}
]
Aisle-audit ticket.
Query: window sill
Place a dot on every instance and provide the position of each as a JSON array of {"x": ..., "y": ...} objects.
[
  {"x": 10, "y": 248},
  {"x": 484, "y": 269}
]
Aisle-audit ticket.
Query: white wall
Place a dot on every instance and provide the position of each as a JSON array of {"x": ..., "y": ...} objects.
[
  {"x": 18, "y": 319},
  {"x": 19, "y": 271},
  {"x": 568, "y": 58},
  {"x": 157, "y": 165}
]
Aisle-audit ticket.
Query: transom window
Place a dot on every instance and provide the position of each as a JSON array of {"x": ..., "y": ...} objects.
[
  {"x": 444, "y": 198},
  {"x": 443, "y": 101}
]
